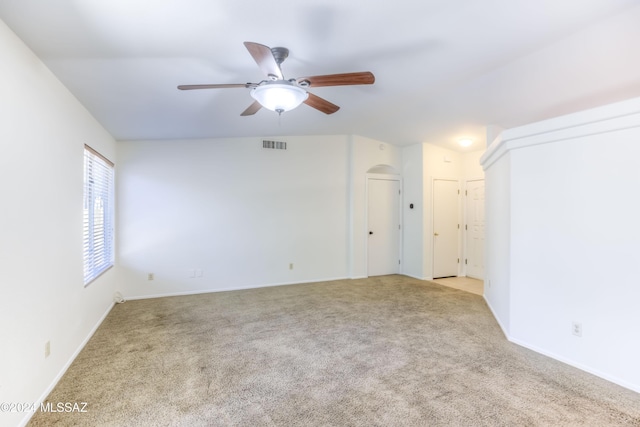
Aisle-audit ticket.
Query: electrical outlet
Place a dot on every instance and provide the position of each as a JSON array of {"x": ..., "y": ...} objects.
[
  {"x": 576, "y": 329},
  {"x": 150, "y": 276},
  {"x": 47, "y": 349}
]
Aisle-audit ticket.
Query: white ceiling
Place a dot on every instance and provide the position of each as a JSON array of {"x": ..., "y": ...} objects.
[{"x": 444, "y": 69}]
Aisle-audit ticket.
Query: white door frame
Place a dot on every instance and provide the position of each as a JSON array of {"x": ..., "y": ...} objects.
[{"x": 384, "y": 177}]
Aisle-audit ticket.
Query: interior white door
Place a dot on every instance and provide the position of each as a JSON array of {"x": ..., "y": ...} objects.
[
  {"x": 474, "y": 257},
  {"x": 446, "y": 230},
  {"x": 383, "y": 219}
]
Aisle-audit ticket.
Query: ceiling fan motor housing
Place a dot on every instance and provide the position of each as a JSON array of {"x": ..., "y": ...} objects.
[{"x": 280, "y": 54}]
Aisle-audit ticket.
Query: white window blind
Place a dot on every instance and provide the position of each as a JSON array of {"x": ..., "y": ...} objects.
[{"x": 98, "y": 214}]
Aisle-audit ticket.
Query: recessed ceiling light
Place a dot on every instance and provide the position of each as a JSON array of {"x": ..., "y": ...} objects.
[{"x": 465, "y": 142}]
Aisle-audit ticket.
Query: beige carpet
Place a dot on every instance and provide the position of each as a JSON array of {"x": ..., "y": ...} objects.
[{"x": 387, "y": 351}]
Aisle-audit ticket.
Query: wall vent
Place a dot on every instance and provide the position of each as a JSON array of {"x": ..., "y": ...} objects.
[{"x": 274, "y": 145}]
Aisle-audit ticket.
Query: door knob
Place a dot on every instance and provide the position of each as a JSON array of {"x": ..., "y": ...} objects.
[
  {"x": 435, "y": 234},
  {"x": 371, "y": 232}
]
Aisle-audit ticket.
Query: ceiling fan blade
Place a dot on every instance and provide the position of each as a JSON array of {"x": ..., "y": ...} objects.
[
  {"x": 221, "y": 86},
  {"x": 252, "y": 109},
  {"x": 321, "y": 104},
  {"x": 264, "y": 58},
  {"x": 344, "y": 79}
]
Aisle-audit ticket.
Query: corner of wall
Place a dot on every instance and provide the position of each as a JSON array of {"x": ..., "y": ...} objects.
[{"x": 551, "y": 186}]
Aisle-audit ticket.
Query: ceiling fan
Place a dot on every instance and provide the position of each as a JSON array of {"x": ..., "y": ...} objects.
[{"x": 280, "y": 95}]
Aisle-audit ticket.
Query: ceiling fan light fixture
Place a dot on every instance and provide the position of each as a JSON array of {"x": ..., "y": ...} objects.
[{"x": 279, "y": 96}]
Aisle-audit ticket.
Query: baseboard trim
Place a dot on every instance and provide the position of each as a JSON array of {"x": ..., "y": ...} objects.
[
  {"x": 597, "y": 373},
  {"x": 497, "y": 319},
  {"x": 240, "y": 288},
  {"x": 414, "y": 277},
  {"x": 66, "y": 366},
  {"x": 269, "y": 285},
  {"x": 615, "y": 380}
]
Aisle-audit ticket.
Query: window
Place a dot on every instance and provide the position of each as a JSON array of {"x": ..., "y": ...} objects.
[{"x": 98, "y": 214}]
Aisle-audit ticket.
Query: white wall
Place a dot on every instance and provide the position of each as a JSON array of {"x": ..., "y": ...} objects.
[
  {"x": 241, "y": 213},
  {"x": 413, "y": 219},
  {"x": 437, "y": 162},
  {"x": 471, "y": 166},
  {"x": 498, "y": 240},
  {"x": 421, "y": 164},
  {"x": 572, "y": 214},
  {"x": 42, "y": 134},
  {"x": 365, "y": 153},
  {"x": 236, "y": 211}
]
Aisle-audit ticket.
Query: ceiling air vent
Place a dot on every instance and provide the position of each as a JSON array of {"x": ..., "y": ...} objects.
[{"x": 274, "y": 145}]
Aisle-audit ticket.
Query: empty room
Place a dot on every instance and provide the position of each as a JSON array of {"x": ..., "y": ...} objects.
[{"x": 413, "y": 213}]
